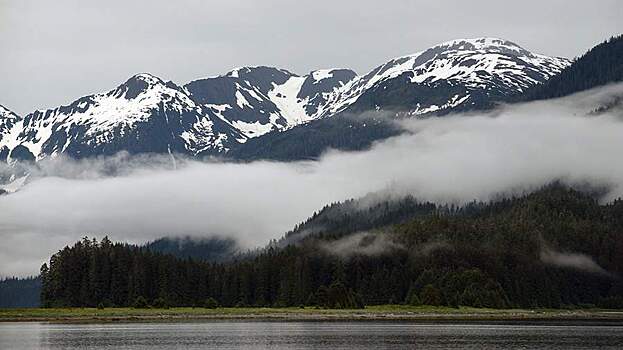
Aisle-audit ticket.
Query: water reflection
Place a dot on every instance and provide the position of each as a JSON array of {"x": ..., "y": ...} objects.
[{"x": 308, "y": 335}]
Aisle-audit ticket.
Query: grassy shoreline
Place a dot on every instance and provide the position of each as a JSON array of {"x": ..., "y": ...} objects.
[{"x": 370, "y": 313}]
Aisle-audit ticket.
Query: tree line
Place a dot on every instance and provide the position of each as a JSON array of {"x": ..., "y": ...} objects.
[
  {"x": 481, "y": 254},
  {"x": 20, "y": 292}
]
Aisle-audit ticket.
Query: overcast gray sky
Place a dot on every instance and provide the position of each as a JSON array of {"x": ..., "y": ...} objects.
[{"x": 53, "y": 52}]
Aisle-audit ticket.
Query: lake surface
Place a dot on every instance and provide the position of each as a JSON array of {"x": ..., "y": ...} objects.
[{"x": 308, "y": 335}]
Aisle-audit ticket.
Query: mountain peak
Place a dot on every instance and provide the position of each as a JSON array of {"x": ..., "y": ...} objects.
[
  {"x": 145, "y": 79},
  {"x": 480, "y": 42},
  {"x": 7, "y": 118},
  {"x": 138, "y": 84},
  {"x": 483, "y": 65},
  {"x": 5, "y": 112},
  {"x": 486, "y": 44},
  {"x": 319, "y": 75},
  {"x": 242, "y": 72}
]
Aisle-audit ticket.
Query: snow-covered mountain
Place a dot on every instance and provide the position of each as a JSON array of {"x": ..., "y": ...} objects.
[
  {"x": 257, "y": 100},
  {"x": 456, "y": 76},
  {"x": 455, "y": 73},
  {"x": 144, "y": 114},
  {"x": 213, "y": 115},
  {"x": 8, "y": 119}
]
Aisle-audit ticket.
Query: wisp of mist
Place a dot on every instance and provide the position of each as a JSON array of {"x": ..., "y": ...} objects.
[{"x": 456, "y": 159}]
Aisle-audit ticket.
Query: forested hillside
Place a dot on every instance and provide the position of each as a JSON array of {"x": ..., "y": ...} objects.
[
  {"x": 554, "y": 248},
  {"x": 213, "y": 249},
  {"x": 309, "y": 141},
  {"x": 369, "y": 212},
  {"x": 601, "y": 65}
]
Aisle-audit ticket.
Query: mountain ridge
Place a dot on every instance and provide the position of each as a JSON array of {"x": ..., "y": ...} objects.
[{"x": 215, "y": 115}]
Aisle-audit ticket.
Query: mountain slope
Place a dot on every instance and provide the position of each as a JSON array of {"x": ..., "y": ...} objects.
[
  {"x": 456, "y": 76},
  {"x": 265, "y": 112},
  {"x": 8, "y": 119},
  {"x": 257, "y": 100},
  {"x": 142, "y": 115},
  {"x": 466, "y": 72},
  {"x": 309, "y": 141},
  {"x": 601, "y": 65},
  {"x": 147, "y": 115}
]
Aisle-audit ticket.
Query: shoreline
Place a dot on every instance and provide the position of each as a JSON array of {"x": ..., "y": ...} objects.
[{"x": 372, "y": 313}]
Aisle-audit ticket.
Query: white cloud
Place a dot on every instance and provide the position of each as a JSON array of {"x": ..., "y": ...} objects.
[
  {"x": 362, "y": 243},
  {"x": 450, "y": 159},
  {"x": 576, "y": 261}
]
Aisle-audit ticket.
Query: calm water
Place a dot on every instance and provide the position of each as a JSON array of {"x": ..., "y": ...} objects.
[{"x": 307, "y": 335}]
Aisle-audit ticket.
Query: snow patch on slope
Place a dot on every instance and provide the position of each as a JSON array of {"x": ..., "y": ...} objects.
[
  {"x": 241, "y": 101},
  {"x": 285, "y": 98},
  {"x": 321, "y": 74},
  {"x": 424, "y": 110},
  {"x": 11, "y": 138}
]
